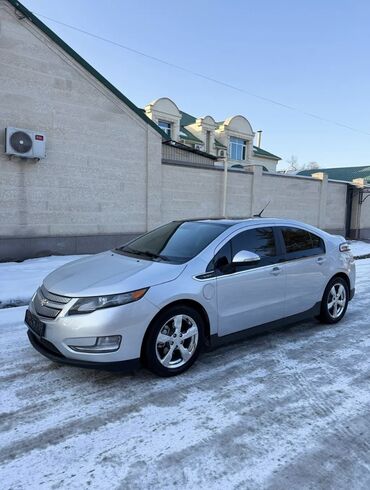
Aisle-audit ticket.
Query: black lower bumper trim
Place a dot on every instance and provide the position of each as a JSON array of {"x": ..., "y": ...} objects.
[
  {"x": 54, "y": 355},
  {"x": 352, "y": 293}
]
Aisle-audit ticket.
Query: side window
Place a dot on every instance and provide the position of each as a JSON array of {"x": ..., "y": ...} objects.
[
  {"x": 261, "y": 241},
  {"x": 301, "y": 243},
  {"x": 222, "y": 259},
  {"x": 258, "y": 240}
]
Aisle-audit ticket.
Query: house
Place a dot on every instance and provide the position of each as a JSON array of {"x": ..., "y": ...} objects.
[
  {"x": 98, "y": 183},
  {"x": 230, "y": 140},
  {"x": 347, "y": 174}
]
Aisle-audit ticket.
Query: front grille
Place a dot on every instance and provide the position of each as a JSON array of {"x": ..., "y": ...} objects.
[
  {"x": 54, "y": 297},
  {"x": 48, "y": 304}
]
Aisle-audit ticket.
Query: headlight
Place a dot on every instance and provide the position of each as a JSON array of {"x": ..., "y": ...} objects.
[{"x": 87, "y": 305}]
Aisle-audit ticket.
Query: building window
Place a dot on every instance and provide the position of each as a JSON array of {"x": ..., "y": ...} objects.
[
  {"x": 166, "y": 127},
  {"x": 237, "y": 148}
]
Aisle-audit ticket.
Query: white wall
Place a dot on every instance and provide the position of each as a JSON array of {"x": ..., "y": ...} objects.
[
  {"x": 99, "y": 152},
  {"x": 192, "y": 192}
]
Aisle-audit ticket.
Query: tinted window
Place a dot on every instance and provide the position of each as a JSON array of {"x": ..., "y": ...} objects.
[
  {"x": 175, "y": 242},
  {"x": 222, "y": 259},
  {"x": 301, "y": 243},
  {"x": 258, "y": 240}
]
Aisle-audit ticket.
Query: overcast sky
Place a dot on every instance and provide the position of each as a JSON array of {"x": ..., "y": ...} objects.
[{"x": 312, "y": 55}]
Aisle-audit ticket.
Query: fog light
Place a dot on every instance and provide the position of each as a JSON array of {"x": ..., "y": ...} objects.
[{"x": 102, "y": 344}]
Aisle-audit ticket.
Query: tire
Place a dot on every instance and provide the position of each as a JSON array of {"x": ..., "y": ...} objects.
[
  {"x": 333, "y": 314},
  {"x": 174, "y": 340}
]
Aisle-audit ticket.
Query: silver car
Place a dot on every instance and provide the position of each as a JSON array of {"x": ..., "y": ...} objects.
[{"x": 186, "y": 286}]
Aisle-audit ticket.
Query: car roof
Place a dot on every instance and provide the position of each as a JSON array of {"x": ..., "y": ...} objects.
[
  {"x": 255, "y": 220},
  {"x": 237, "y": 223}
]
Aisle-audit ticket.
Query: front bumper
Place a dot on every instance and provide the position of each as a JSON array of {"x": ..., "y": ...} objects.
[
  {"x": 51, "y": 352},
  {"x": 129, "y": 321}
]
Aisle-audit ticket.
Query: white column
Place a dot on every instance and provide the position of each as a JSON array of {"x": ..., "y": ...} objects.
[
  {"x": 257, "y": 202},
  {"x": 249, "y": 151},
  {"x": 224, "y": 201}
]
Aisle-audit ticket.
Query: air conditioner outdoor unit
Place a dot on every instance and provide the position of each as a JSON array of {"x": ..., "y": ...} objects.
[{"x": 25, "y": 143}]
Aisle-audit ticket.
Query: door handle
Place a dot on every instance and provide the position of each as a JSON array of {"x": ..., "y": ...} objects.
[
  {"x": 320, "y": 260},
  {"x": 275, "y": 271}
]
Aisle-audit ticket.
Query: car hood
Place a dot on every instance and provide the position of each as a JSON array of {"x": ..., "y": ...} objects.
[{"x": 109, "y": 273}]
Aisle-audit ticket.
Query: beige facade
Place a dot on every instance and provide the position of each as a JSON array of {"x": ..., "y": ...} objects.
[
  {"x": 100, "y": 174},
  {"x": 216, "y": 138},
  {"x": 317, "y": 202}
]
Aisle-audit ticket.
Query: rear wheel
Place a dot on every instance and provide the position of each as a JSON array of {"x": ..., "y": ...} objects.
[
  {"x": 174, "y": 341},
  {"x": 335, "y": 301}
]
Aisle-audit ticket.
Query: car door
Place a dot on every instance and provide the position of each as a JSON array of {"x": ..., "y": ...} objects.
[
  {"x": 306, "y": 268},
  {"x": 252, "y": 294}
]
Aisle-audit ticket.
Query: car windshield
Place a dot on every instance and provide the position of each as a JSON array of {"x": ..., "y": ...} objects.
[{"x": 176, "y": 242}]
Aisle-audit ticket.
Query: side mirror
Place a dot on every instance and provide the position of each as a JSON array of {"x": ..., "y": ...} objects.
[{"x": 245, "y": 257}]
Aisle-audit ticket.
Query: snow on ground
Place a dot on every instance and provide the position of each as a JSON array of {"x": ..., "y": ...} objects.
[
  {"x": 360, "y": 248},
  {"x": 288, "y": 408},
  {"x": 19, "y": 280}
]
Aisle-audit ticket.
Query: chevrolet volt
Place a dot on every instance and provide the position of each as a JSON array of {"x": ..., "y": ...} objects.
[{"x": 189, "y": 285}]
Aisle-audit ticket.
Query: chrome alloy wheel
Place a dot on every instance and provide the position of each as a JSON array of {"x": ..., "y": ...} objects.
[
  {"x": 337, "y": 298},
  {"x": 177, "y": 341}
]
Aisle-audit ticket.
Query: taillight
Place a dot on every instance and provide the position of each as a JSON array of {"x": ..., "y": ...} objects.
[{"x": 344, "y": 247}]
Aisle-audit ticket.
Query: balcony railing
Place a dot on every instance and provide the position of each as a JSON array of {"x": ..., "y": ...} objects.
[{"x": 173, "y": 152}]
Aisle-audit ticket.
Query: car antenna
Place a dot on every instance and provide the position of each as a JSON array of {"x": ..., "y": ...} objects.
[{"x": 259, "y": 215}]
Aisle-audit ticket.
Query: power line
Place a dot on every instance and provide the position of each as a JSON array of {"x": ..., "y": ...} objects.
[{"x": 206, "y": 77}]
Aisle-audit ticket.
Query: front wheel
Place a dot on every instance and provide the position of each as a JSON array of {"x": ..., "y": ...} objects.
[
  {"x": 335, "y": 301},
  {"x": 174, "y": 341}
]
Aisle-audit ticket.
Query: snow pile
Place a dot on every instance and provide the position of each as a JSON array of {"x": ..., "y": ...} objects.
[
  {"x": 360, "y": 249},
  {"x": 18, "y": 281}
]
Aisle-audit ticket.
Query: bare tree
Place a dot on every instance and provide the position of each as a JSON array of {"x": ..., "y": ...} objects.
[
  {"x": 294, "y": 166},
  {"x": 293, "y": 163},
  {"x": 311, "y": 166}
]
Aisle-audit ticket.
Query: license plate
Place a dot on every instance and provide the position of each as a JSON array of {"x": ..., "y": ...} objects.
[{"x": 36, "y": 325}]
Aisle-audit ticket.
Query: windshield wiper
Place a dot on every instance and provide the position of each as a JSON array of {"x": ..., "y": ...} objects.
[{"x": 144, "y": 253}]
